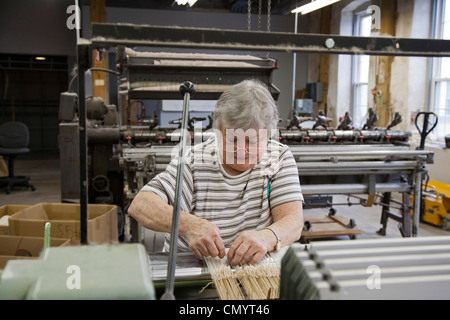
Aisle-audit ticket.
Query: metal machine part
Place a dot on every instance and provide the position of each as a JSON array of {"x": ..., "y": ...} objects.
[
  {"x": 105, "y": 35},
  {"x": 189, "y": 268},
  {"x": 436, "y": 204},
  {"x": 158, "y": 75},
  {"x": 192, "y": 276},
  {"x": 425, "y": 130},
  {"x": 398, "y": 268},
  {"x": 187, "y": 89}
]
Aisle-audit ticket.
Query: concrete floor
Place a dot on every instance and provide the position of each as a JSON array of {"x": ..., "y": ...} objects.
[{"x": 45, "y": 176}]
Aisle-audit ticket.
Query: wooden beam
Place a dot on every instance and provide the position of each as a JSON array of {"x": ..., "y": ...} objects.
[
  {"x": 324, "y": 59},
  {"x": 383, "y": 78},
  {"x": 99, "y": 78}
]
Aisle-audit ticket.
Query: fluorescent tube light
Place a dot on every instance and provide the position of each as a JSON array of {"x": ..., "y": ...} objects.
[
  {"x": 184, "y": 2},
  {"x": 313, "y": 5}
]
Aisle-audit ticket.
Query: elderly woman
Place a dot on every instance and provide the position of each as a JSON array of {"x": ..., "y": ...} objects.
[{"x": 241, "y": 189}]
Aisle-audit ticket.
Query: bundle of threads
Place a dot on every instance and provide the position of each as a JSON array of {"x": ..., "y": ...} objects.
[{"x": 258, "y": 282}]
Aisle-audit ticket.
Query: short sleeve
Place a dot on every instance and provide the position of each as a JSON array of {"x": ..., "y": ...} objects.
[
  {"x": 285, "y": 183},
  {"x": 164, "y": 183}
]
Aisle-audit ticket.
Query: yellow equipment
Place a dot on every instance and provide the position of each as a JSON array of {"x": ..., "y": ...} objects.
[{"x": 436, "y": 209}]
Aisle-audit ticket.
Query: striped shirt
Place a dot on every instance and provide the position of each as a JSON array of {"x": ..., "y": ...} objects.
[{"x": 233, "y": 203}]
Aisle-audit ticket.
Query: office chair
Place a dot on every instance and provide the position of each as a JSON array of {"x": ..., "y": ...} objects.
[{"x": 14, "y": 140}]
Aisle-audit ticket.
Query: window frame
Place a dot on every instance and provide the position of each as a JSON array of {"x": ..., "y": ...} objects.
[
  {"x": 358, "y": 16},
  {"x": 436, "y": 77}
]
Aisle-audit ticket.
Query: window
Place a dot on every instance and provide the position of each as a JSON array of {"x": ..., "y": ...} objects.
[
  {"x": 360, "y": 72},
  {"x": 441, "y": 79}
]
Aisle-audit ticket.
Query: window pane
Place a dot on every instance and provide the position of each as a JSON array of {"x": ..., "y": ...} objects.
[
  {"x": 442, "y": 108},
  {"x": 365, "y": 26},
  {"x": 446, "y": 29},
  {"x": 363, "y": 69},
  {"x": 361, "y": 73},
  {"x": 447, "y": 10},
  {"x": 442, "y": 88},
  {"x": 445, "y": 68},
  {"x": 361, "y": 105}
]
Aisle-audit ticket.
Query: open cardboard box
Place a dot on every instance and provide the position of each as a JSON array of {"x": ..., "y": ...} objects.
[
  {"x": 16, "y": 247},
  {"x": 65, "y": 222},
  {"x": 6, "y": 211}
]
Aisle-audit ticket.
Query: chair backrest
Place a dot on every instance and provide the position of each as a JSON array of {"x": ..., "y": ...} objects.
[{"x": 14, "y": 134}]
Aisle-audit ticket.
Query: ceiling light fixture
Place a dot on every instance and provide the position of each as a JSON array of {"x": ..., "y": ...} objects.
[
  {"x": 184, "y": 2},
  {"x": 313, "y": 5},
  {"x": 40, "y": 58}
]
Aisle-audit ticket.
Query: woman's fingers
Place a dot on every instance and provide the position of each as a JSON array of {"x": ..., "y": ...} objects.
[
  {"x": 205, "y": 241},
  {"x": 248, "y": 247}
]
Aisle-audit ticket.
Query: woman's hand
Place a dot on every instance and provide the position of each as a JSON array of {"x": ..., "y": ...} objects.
[
  {"x": 251, "y": 246},
  {"x": 204, "y": 239}
]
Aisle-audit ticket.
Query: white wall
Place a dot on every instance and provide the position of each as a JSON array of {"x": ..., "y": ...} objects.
[
  {"x": 409, "y": 75},
  {"x": 439, "y": 170}
]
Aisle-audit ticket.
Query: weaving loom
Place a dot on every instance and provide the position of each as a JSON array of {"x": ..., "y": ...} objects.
[{"x": 259, "y": 282}]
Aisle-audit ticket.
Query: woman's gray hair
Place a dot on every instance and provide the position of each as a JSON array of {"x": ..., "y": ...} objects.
[{"x": 246, "y": 105}]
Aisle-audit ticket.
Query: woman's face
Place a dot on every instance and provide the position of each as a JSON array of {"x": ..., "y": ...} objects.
[{"x": 241, "y": 150}]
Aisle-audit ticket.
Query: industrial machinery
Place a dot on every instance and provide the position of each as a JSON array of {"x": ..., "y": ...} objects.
[
  {"x": 369, "y": 161},
  {"x": 370, "y": 269},
  {"x": 358, "y": 163},
  {"x": 361, "y": 163},
  {"x": 436, "y": 204}
]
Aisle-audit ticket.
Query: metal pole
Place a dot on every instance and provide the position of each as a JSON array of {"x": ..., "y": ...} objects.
[
  {"x": 294, "y": 67},
  {"x": 417, "y": 202},
  {"x": 77, "y": 20},
  {"x": 83, "y": 64},
  {"x": 186, "y": 89}
]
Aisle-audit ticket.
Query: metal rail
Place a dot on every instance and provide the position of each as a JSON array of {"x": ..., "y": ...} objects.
[
  {"x": 400, "y": 268},
  {"x": 105, "y": 35}
]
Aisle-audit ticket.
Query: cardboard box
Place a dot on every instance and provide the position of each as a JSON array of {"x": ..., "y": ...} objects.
[
  {"x": 6, "y": 211},
  {"x": 16, "y": 247},
  {"x": 65, "y": 220}
]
